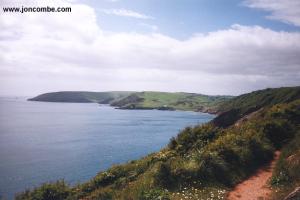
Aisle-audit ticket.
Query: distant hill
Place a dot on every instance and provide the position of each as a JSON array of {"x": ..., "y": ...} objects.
[
  {"x": 165, "y": 101},
  {"x": 140, "y": 100},
  {"x": 204, "y": 161},
  {"x": 81, "y": 97}
]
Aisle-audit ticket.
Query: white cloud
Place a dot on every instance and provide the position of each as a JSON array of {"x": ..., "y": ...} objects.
[
  {"x": 287, "y": 11},
  {"x": 151, "y": 27},
  {"x": 126, "y": 13},
  {"x": 42, "y": 52}
]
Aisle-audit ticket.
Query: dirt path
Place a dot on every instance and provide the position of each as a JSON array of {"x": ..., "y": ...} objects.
[{"x": 255, "y": 187}]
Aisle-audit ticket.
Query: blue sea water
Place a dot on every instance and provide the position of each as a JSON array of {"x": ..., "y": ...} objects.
[{"x": 41, "y": 142}]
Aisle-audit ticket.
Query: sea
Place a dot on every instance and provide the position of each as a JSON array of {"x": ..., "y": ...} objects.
[{"x": 43, "y": 142}]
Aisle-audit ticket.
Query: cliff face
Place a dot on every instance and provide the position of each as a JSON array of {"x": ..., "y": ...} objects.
[{"x": 207, "y": 160}]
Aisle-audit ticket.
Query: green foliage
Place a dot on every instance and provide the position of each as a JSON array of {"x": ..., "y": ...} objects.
[
  {"x": 104, "y": 194},
  {"x": 278, "y": 131},
  {"x": 250, "y": 102},
  {"x": 212, "y": 167},
  {"x": 196, "y": 137},
  {"x": 229, "y": 155},
  {"x": 154, "y": 194},
  {"x": 286, "y": 175},
  {"x": 48, "y": 191},
  {"x": 162, "y": 176},
  {"x": 245, "y": 104},
  {"x": 287, "y": 168},
  {"x": 173, "y": 143}
]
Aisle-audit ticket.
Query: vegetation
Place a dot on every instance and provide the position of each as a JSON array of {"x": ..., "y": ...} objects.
[
  {"x": 170, "y": 101},
  {"x": 139, "y": 100},
  {"x": 231, "y": 111},
  {"x": 81, "y": 97},
  {"x": 287, "y": 174},
  {"x": 58, "y": 191},
  {"x": 204, "y": 161}
]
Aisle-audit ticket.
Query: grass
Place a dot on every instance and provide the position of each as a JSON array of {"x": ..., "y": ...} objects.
[
  {"x": 178, "y": 101},
  {"x": 261, "y": 98},
  {"x": 235, "y": 109}
]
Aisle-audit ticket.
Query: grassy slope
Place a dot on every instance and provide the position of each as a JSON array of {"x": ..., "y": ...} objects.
[
  {"x": 231, "y": 111},
  {"x": 201, "y": 161},
  {"x": 287, "y": 171},
  {"x": 161, "y": 100},
  {"x": 257, "y": 99},
  {"x": 81, "y": 97}
]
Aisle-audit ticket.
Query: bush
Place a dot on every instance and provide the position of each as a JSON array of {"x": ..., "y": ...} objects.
[
  {"x": 162, "y": 176},
  {"x": 103, "y": 194},
  {"x": 278, "y": 131},
  {"x": 213, "y": 168},
  {"x": 287, "y": 167},
  {"x": 196, "y": 137},
  {"x": 48, "y": 191},
  {"x": 154, "y": 194},
  {"x": 173, "y": 143}
]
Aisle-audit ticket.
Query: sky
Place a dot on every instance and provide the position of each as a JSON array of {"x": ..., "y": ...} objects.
[{"x": 216, "y": 47}]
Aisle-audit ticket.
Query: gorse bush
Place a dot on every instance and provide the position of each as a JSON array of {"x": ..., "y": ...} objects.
[
  {"x": 163, "y": 177},
  {"x": 193, "y": 137},
  {"x": 154, "y": 194},
  {"x": 212, "y": 167},
  {"x": 278, "y": 131},
  {"x": 48, "y": 191},
  {"x": 287, "y": 168}
]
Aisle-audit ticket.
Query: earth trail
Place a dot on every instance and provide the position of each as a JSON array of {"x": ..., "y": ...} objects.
[{"x": 256, "y": 186}]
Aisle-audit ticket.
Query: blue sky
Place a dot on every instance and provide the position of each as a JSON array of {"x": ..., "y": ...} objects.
[
  {"x": 183, "y": 18},
  {"x": 205, "y": 46}
]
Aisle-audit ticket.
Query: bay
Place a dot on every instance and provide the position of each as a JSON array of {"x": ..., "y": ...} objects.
[{"x": 41, "y": 141}]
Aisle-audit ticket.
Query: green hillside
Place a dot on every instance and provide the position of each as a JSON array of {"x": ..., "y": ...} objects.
[
  {"x": 170, "y": 101},
  {"x": 236, "y": 108},
  {"x": 81, "y": 97},
  {"x": 257, "y": 99},
  {"x": 139, "y": 100},
  {"x": 205, "y": 161}
]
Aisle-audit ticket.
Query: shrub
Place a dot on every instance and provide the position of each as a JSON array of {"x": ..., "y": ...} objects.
[
  {"x": 162, "y": 176},
  {"x": 173, "y": 143},
  {"x": 154, "y": 194},
  {"x": 278, "y": 131},
  {"x": 102, "y": 194},
  {"x": 287, "y": 167},
  {"x": 213, "y": 168},
  {"x": 48, "y": 191}
]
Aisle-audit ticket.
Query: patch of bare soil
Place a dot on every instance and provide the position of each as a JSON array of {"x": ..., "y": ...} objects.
[{"x": 256, "y": 186}]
